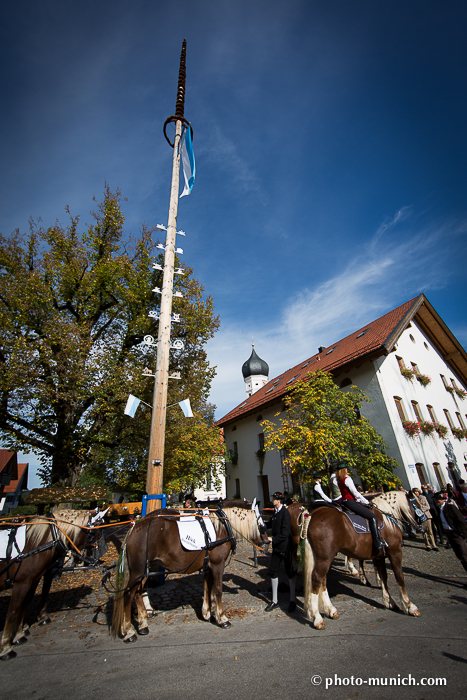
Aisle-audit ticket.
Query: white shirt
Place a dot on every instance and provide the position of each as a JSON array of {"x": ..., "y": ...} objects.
[{"x": 317, "y": 487}]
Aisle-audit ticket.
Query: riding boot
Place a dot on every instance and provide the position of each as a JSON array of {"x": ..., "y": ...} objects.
[{"x": 377, "y": 540}]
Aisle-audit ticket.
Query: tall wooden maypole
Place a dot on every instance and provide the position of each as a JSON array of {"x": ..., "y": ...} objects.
[{"x": 155, "y": 475}]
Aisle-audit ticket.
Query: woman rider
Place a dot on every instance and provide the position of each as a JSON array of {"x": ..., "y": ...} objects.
[{"x": 358, "y": 504}]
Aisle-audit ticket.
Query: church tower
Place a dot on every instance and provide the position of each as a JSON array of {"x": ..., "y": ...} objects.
[{"x": 255, "y": 373}]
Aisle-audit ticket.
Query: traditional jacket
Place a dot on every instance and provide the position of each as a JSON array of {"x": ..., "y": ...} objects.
[
  {"x": 281, "y": 531},
  {"x": 454, "y": 519}
]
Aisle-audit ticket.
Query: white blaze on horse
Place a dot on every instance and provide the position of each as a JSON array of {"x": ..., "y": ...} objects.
[
  {"x": 154, "y": 542},
  {"x": 47, "y": 541},
  {"x": 330, "y": 531}
]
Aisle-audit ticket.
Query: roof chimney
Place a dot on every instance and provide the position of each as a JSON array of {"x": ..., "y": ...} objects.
[{"x": 321, "y": 349}]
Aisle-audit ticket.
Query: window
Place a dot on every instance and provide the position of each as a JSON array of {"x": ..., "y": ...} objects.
[
  {"x": 293, "y": 379},
  {"x": 415, "y": 367},
  {"x": 443, "y": 379},
  {"x": 234, "y": 428},
  {"x": 412, "y": 338},
  {"x": 426, "y": 346},
  {"x": 346, "y": 382},
  {"x": 461, "y": 422},
  {"x": 439, "y": 478},
  {"x": 235, "y": 448},
  {"x": 260, "y": 417},
  {"x": 261, "y": 441},
  {"x": 400, "y": 362},
  {"x": 421, "y": 473},
  {"x": 238, "y": 493},
  {"x": 431, "y": 413},
  {"x": 416, "y": 410},
  {"x": 306, "y": 364},
  {"x": 331, "y": 350},
  {"x": 448, "y": 418},
  {"x": 363, "y": 332},
  {"x": 400, "y": 408}
]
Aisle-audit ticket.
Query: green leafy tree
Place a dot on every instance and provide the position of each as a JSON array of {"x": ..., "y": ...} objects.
[
  {"x": 73, "y": 316},
  {"x": 322, "y": 426}
]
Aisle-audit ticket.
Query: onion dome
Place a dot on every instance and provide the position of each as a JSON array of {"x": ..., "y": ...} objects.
[{"x": 254, "y": 366}]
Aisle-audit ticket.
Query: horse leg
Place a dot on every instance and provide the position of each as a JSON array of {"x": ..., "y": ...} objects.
[
  {"x": 313, "y": 582},
  {"x": 128, "y": 631},
  {"x": 22, "y": 629},
  {"x": 328, "y": 608},
  {"x": 380, "y": 566},
  {"x": 43, "y": 618},
  {"x": 141, "y": 607},
  {"x": 216, "y": 595},
  {"x": 395, "y": 557},
  {"x": 348, "y": 564},
  {"x": 207, "y": 588},
  {"x": 147, "y": 604},
  {"x": 15, "y": 614}
]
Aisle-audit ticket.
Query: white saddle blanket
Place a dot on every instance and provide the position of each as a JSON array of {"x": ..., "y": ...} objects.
[
  {"x": 20, "y": 537},
  {"x": 191, "y": 535}
]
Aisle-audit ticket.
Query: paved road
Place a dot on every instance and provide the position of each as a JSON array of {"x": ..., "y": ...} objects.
[{"x": 263, "y": 655}]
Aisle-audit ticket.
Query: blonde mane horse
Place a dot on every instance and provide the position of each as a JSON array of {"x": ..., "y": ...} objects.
[{"x": 26, "y": 574}]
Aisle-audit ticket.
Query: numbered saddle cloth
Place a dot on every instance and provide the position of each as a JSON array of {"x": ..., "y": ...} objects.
[
  {"x": 191, "y": 533},
  {"x": 12, "y": 542}
]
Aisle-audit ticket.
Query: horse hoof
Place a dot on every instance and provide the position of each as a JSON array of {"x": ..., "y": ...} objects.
[
  {"x": 21, "y": 640},
  {"x": 27, "y": 633},
  {"x": 9, "y": 655},
  {"x": 143, "y": 630},
  {"x": 47, "y": 621},
  {"x": 335, "y": 616},
  {"x": 225, "y": 625},
  {"x": 131, "y": 639},
  {"x": 320, "y": 626}
]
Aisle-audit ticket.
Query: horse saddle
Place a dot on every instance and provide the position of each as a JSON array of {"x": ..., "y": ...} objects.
[
  {"x": 360, "y": 524},
  {"x": 12, "y": 542},
  {"x": 193, "y": 534}
]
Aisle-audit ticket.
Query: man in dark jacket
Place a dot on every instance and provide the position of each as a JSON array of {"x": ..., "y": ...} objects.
[
  {"x": 281, "y": 551},
  {"x": 455, "y": 527}
]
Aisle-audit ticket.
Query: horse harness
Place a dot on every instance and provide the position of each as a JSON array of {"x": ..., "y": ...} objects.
[
  {"x": 221, "y": 515},
  {"x": 56, "y": 567}
]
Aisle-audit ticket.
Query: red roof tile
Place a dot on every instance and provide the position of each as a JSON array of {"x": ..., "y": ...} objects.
[
  {"x": 369, "y": 340},
  {"x": 13, "y": 485}
]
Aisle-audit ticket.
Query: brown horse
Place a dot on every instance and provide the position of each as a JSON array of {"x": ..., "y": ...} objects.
[
  {"x": 154, "y": 541},
  {"x": 329, "y": 532},
  {"x": 24, "y": 575}
]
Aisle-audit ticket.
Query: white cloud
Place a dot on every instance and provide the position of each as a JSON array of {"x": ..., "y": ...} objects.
[{"x": 372, "y": 283}]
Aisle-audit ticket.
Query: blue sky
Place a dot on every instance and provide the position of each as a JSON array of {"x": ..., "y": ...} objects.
[{"x": 330, "y": 143}]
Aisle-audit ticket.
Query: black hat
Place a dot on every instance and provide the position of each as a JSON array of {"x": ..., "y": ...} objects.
[
  {"x": 440, "y": 496},
  {"x": 277, "y": 496}
]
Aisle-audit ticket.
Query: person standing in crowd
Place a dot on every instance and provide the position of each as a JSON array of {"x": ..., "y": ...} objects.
[
  {"x": 455, "y": 527},
  {"x": 358, "y": 504},
  {"x": 463, "y": 496},
  {"x": 319, "y": 496},
  {"x": 422, "y": 503},
  {"x": 281, "y": 552},
  {"x": 436, "y": 525}
]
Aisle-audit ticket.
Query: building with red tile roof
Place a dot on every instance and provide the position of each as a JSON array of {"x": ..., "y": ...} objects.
[
  {"x": 13, "y": 480},
  {"x": 412, "y": 336}
]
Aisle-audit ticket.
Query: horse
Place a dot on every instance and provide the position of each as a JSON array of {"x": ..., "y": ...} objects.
[
  {"x": 154, "y": 541},
  {"x": 401, "y": 508},
  {"x": 328, "y": 532},
  {"x": 52, "y": 538}
]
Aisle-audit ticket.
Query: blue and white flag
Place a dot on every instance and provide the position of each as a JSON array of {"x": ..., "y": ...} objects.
[
  {"x": 131, "y": 406},
  {"x": 186, "y": 408},
  {"x": 188, "y": 161}
]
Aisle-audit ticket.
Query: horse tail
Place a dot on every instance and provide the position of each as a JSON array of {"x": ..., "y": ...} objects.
[
  {"x": 121, "y": 582},
  {"x": 307, "y": 577}
]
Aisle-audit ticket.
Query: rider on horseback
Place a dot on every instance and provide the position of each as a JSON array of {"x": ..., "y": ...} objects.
[{"x": 357, "y": 503}]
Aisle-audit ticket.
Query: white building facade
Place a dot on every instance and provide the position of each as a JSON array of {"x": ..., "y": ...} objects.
[{"x": 415, "y": 373}]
